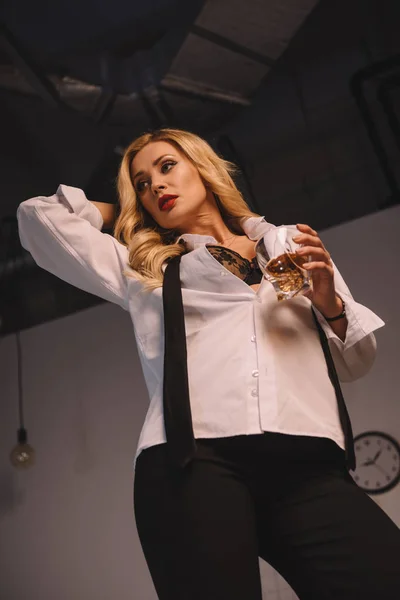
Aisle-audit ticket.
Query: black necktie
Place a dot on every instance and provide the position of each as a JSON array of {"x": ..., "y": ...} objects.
[
  {"x": 177, "y": 414},
  {"x": 181, "y": 445},
  {"x": 343, "y": 414}
]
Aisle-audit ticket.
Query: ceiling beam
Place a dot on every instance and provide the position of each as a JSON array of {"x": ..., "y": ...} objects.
[
  {"x": 224, "y": 42},
  {"x": 195, "y": 89}
]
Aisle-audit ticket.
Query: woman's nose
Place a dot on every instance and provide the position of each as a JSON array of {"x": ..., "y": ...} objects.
[{"x": 158, "y": 186}]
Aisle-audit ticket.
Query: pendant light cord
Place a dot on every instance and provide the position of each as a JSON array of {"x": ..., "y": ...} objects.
[{"x": 20, "y": 398}]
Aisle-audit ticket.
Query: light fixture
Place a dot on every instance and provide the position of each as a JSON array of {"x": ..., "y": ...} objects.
[{"x": 22, "y": 455}]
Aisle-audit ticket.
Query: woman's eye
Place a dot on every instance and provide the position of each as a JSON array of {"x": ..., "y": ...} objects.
[
  {"x": 165, "y": 167},
  {"x": 140, "y": 185}
]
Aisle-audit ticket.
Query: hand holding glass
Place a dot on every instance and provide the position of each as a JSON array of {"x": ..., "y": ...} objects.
[{"x": 281, "y": 265}]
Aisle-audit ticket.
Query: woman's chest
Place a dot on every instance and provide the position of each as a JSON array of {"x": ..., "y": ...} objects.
[{"x": 240, "y": 260}]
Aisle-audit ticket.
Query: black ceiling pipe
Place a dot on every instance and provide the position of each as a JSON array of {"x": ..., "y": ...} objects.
[
  {"x": 15, "y": 265},
  {"x": 29, "y": 295},
  {"x": 385, "y": 99},
  {"x": 356, "y": 86}
]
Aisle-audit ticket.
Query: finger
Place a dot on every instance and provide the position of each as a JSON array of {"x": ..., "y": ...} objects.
[
  {"x": 308, "y": 238},
  {"x": 318, "y": 266},
  {"x": 306, "y": 228},
  {"x": 315, "y": 252}
]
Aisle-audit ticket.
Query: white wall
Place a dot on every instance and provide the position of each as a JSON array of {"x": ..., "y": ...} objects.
[
  {"x": 67, "y": 528},
  {"x": 367, "y": 251}
]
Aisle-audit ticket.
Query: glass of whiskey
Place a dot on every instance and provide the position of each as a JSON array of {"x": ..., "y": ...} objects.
[{"x": 281, "y": 265}]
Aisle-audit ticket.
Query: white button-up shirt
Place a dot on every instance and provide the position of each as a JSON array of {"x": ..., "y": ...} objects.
[{"x": 254, "y": 364}]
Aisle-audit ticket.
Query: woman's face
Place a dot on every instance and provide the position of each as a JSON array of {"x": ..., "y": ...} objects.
[{"x": 169, "y": 186}]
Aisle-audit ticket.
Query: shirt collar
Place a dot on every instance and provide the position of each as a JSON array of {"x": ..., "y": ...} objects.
[{"x": 254, "y": 228}]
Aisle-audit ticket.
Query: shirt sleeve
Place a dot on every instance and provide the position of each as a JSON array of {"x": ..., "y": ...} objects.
[
  {"x": 355, "y": 355},
  {"x": 63, "y": 234}
]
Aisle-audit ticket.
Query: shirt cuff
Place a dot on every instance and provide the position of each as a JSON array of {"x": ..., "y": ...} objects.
[
  {"x": 361, "y": 322},
  {"x": 77, "y": 202}
]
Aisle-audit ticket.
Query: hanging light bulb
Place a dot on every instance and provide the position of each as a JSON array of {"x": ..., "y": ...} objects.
[{"x": 22, "y": 455}]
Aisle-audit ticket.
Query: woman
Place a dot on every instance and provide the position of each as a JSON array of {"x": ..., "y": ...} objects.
[{"x": 268, "y": 477}]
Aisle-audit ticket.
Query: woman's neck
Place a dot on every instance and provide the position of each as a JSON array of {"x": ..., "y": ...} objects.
[
  {"x": 208, "y": 221},
  {"x": 219, "y": 231}
]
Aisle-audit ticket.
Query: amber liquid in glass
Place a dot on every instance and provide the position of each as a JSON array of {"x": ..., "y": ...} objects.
[{"x": 289, "y": 277}]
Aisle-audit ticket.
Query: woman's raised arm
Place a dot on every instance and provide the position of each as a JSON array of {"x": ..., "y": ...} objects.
[
  {"x": 63, "y": 234},
  {"x": 108, "y": 212}
]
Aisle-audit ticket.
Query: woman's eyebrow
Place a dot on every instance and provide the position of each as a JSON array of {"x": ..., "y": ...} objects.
[{"x": 155, "y": 163}]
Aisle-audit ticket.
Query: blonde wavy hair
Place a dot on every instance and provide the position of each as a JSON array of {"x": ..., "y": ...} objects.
[{"x": 150, "y": 245}]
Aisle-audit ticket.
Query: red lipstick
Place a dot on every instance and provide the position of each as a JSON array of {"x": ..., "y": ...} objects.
[{"x": 166, "y": 201}]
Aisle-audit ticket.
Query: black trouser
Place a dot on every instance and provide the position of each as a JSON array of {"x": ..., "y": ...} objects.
[{"x": 287, "y": 499}]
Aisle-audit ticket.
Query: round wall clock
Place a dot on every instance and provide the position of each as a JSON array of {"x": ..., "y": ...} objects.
[{"x": 378, "y": 462}]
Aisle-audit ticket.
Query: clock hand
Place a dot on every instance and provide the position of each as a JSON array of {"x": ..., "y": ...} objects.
[
  {"x": 377, "y": 455},
  {"x": 367, "y": 463}
]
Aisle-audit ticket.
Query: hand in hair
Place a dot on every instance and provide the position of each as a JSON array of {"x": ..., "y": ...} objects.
[{"x": 108, "y": 212}]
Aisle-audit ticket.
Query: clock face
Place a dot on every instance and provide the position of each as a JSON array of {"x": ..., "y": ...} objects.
[{"x": 378, "y": 462}]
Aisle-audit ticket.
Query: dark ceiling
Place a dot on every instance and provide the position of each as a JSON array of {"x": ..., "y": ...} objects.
[
  {"x": 108, "y": 71},
  {"x": 80, "y": 79}
]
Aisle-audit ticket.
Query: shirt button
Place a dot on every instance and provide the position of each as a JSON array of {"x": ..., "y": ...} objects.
[
  {"x": 258, "y": 298},
  {"x": 223, "y": 273},
  {"x": 254, "y": 393},
  {"x": 254, "y": 373},
  {"x": 253, "y": 338}
]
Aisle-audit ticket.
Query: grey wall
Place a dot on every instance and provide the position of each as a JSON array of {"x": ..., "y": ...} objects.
[{"x": 67, "y": 528}]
